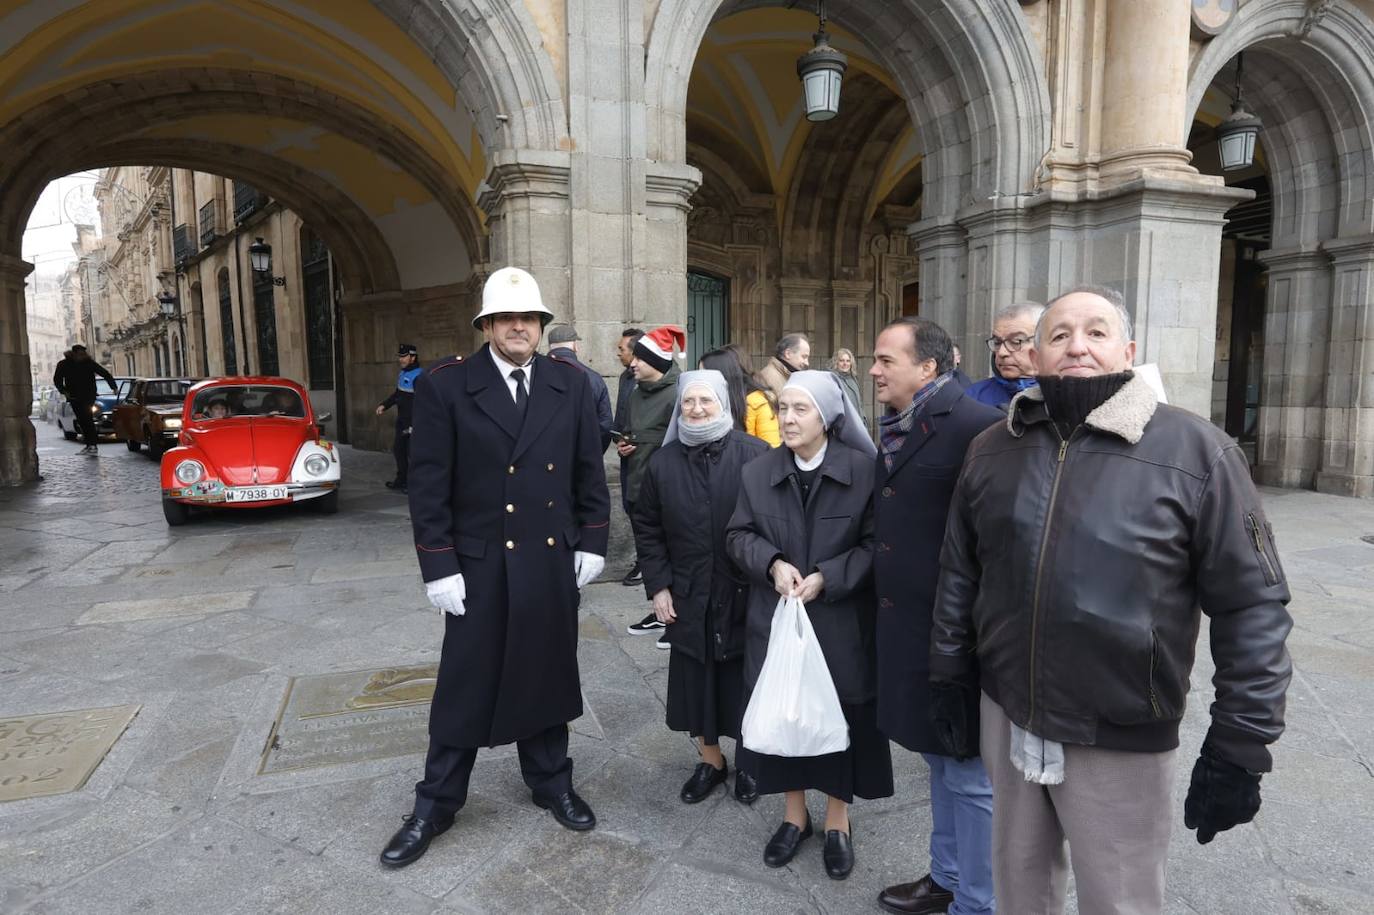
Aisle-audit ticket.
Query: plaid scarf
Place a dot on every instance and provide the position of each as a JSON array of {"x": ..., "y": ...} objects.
[{"x": 895, "y": 427}]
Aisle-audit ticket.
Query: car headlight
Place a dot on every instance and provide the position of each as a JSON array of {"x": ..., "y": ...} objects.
[
  {"x": 316, "y": 465},
  {"x": 189, "y": 471},
  {"x": 173, "y": 423},
  {"x": 95, "y": 408}
]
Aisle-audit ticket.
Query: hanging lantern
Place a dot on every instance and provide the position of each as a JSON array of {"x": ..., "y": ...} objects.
[
  {"x": 822, "y": 71},
  {"x": 260, "y": 256},
  {"x": 1237, "y": 134}
]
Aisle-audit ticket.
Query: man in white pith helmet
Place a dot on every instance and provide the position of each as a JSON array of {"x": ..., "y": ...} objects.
[{"x": 510, "y": 508}]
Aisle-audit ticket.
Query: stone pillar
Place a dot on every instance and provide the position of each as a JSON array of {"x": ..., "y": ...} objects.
[
  {"x": 527, "y": 202},
  {"x": 1347, "y": 459},
  {"x": 18, "y": 450},
  {"x": 942, "y": 248},
  {"x": 1297, "y": 333},
  {"x": 1145, "y": 88},
  {"x": 1158, "y": 242}
]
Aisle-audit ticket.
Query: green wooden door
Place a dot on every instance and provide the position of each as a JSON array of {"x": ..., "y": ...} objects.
[{"x": 708, "y": 305}]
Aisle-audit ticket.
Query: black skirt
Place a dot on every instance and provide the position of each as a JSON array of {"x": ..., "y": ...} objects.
[
  {"x": 863, "y": 770},
  {"x": 705, "y": 700}
]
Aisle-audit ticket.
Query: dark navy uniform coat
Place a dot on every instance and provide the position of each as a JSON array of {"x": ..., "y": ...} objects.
[
  {"x": 506, "y": 502},
  {"x": 910, "y": 507}
]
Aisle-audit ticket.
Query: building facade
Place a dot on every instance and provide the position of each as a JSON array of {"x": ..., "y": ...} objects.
[{"x": 650, "y": 161}]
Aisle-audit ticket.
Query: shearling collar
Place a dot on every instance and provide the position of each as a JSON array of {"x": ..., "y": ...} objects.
[{"x": 1125, "y": 414}]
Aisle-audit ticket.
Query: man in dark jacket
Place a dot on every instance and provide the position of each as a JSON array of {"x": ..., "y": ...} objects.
[
  {"x": 509, "y": 504},
  {"x": 1085, "y": 534},
  {"x": 563, "y": 340},
  {"x": 625, "y": 385},
  {"x": 74, "y": 378},
  {"x": 650, "y": 410},
  {"x": 402, "y": 399},
  {"x": 922, "y": 440}
]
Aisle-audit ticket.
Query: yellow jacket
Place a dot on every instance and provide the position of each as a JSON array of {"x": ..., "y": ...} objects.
[{"x": 760, "y": 420}]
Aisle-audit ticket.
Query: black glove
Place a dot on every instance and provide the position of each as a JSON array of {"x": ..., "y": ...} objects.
[
  {"x": 954, "y": 714},
  {"x": 1220, "y": 795}
]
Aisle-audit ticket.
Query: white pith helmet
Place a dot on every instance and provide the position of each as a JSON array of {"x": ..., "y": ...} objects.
[{"x": 511, "y": 291}]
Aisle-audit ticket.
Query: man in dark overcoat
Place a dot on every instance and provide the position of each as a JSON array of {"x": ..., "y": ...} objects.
[
  {"x": 510, "y": 510},
  {"x": 922, "y": 439}
]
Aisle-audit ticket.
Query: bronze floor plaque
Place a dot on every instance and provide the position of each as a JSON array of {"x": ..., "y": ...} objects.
[
  {"x": 333, "y": 719},
  {"x": 329, "y": 719},
  {"x": 55, "y": 753}
]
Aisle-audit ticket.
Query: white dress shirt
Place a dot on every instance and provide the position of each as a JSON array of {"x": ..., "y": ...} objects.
[{"x": 505, "y": 368}]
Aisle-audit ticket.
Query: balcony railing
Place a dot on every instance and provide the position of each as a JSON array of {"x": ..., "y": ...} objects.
[
  {"x": 247, "y": 199},
  {"x": 183, "y": 243},
  {"x": 209, "y": 223}
]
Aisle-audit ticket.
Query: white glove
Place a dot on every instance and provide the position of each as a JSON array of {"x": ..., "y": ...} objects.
[
  {"x": 586, "y": 566},
  {"x": 447, "y": 594}
]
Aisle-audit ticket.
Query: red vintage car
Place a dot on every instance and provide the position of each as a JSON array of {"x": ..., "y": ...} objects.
[{"x": 249, "y": 442}]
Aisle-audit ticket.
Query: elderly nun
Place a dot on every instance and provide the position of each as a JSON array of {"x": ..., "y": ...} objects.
[
  {"x": 803, "y": 526},
  {"x": 688, "y": 493}
]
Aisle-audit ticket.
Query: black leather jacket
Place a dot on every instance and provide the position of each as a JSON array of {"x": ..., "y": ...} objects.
[{"x": 1073, "y": 573}]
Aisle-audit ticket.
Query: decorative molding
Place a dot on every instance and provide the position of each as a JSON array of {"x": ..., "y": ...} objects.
[{"x": 1316, "y": 11}]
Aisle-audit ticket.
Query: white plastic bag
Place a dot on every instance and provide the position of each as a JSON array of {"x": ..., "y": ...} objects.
[{"x": 794, "y": 710}]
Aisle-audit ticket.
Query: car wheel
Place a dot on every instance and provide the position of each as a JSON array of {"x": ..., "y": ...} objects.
[
  {"x": 175, "y": 512},
  {"x": 155, "y": 448},
  {"x": 68, "y": 434},
  {"x": 327, "y": 504},
  {"x": 131, "y": 444}
]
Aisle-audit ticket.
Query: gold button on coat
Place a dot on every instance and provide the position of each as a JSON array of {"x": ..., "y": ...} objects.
[
  {"x": 511, "y": 470},
  {"x": 510, "y": 544},
  {"x": 549, "y": 468},
  {"x": 550, "y": 505},
  {"x": 550, "y": 541},
  {"x": 510, "y": 509}
]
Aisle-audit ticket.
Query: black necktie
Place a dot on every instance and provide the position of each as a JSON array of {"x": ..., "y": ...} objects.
[{"x": 522, "y": 397}]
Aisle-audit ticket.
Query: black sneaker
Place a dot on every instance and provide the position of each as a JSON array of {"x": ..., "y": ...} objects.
[
  {"x": 633, "y": 577},
  {"x": 662, "y": 643},
  {"x": 647, "y": 626}
]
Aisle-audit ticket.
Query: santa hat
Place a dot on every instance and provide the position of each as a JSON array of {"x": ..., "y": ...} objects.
[{"x": 656, "y": 347}]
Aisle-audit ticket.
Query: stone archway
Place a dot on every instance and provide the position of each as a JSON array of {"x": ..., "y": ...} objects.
[
  {"x": 1309, "y": 76},
  {"x": 376, "y": 124}
]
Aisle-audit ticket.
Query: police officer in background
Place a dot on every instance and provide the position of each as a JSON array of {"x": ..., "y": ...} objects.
[
  {"x": 510, "y": 509},
  {"x": 402, "y": 399}
]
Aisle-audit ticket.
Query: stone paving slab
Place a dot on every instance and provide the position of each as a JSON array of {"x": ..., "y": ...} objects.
[{"x": 204, "y": 626}]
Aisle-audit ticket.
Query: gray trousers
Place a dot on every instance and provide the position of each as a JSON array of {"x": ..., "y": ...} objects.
[{"x": 1115, "y": 808}]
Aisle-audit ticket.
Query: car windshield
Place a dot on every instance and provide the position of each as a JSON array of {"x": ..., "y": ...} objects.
[
  {"x": 103, "y": 388},
  {"x": 247, "y": 400},
  {"x": 165, "y": 392}
]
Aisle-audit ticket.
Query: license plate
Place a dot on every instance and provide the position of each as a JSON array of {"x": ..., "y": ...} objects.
[{"x": 254, "y": 493}]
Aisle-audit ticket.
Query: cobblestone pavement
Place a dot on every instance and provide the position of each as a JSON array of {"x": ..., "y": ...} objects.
[{"x": 101, "y": 604}]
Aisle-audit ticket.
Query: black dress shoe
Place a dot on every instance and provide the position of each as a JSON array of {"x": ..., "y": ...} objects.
[
  {"x": 704, "y": 780},
  {"x": 838, "y": 854},
  {"x": 396, "y": 484},
  {"x": 783, "y": 846},
  {"x": 569, "y": 810},
  {"x": 924, "y": 897},
  {"x": 412, "y": 840},
  {"x": 632, "y": 577},
  {"x": 746, "y": 787}
]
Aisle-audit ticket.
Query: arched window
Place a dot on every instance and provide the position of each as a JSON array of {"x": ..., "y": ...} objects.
[{"x": 226, "y": 324}]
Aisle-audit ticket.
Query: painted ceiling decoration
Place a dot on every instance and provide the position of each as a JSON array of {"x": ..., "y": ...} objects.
[{"x": 745, "y": 92}]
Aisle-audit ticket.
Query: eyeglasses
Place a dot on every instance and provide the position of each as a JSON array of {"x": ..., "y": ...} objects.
[{"x": 1013, "y": 344}]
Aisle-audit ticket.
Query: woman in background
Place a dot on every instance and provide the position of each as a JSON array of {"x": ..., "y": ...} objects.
[
  {"x": 752, "y": 408},
  {"x": 842, "y": 365}
]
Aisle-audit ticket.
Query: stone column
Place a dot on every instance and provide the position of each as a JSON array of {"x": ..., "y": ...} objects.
[
  {"x": 942, "y": 248},
  {"x": 18, "y": 450},
  {"x": 1296, "y": 339},
  {"x": 1347, "y": 459},
  {"x": 527, "y": 202},
  {"x": 1145, "y": 88}
]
